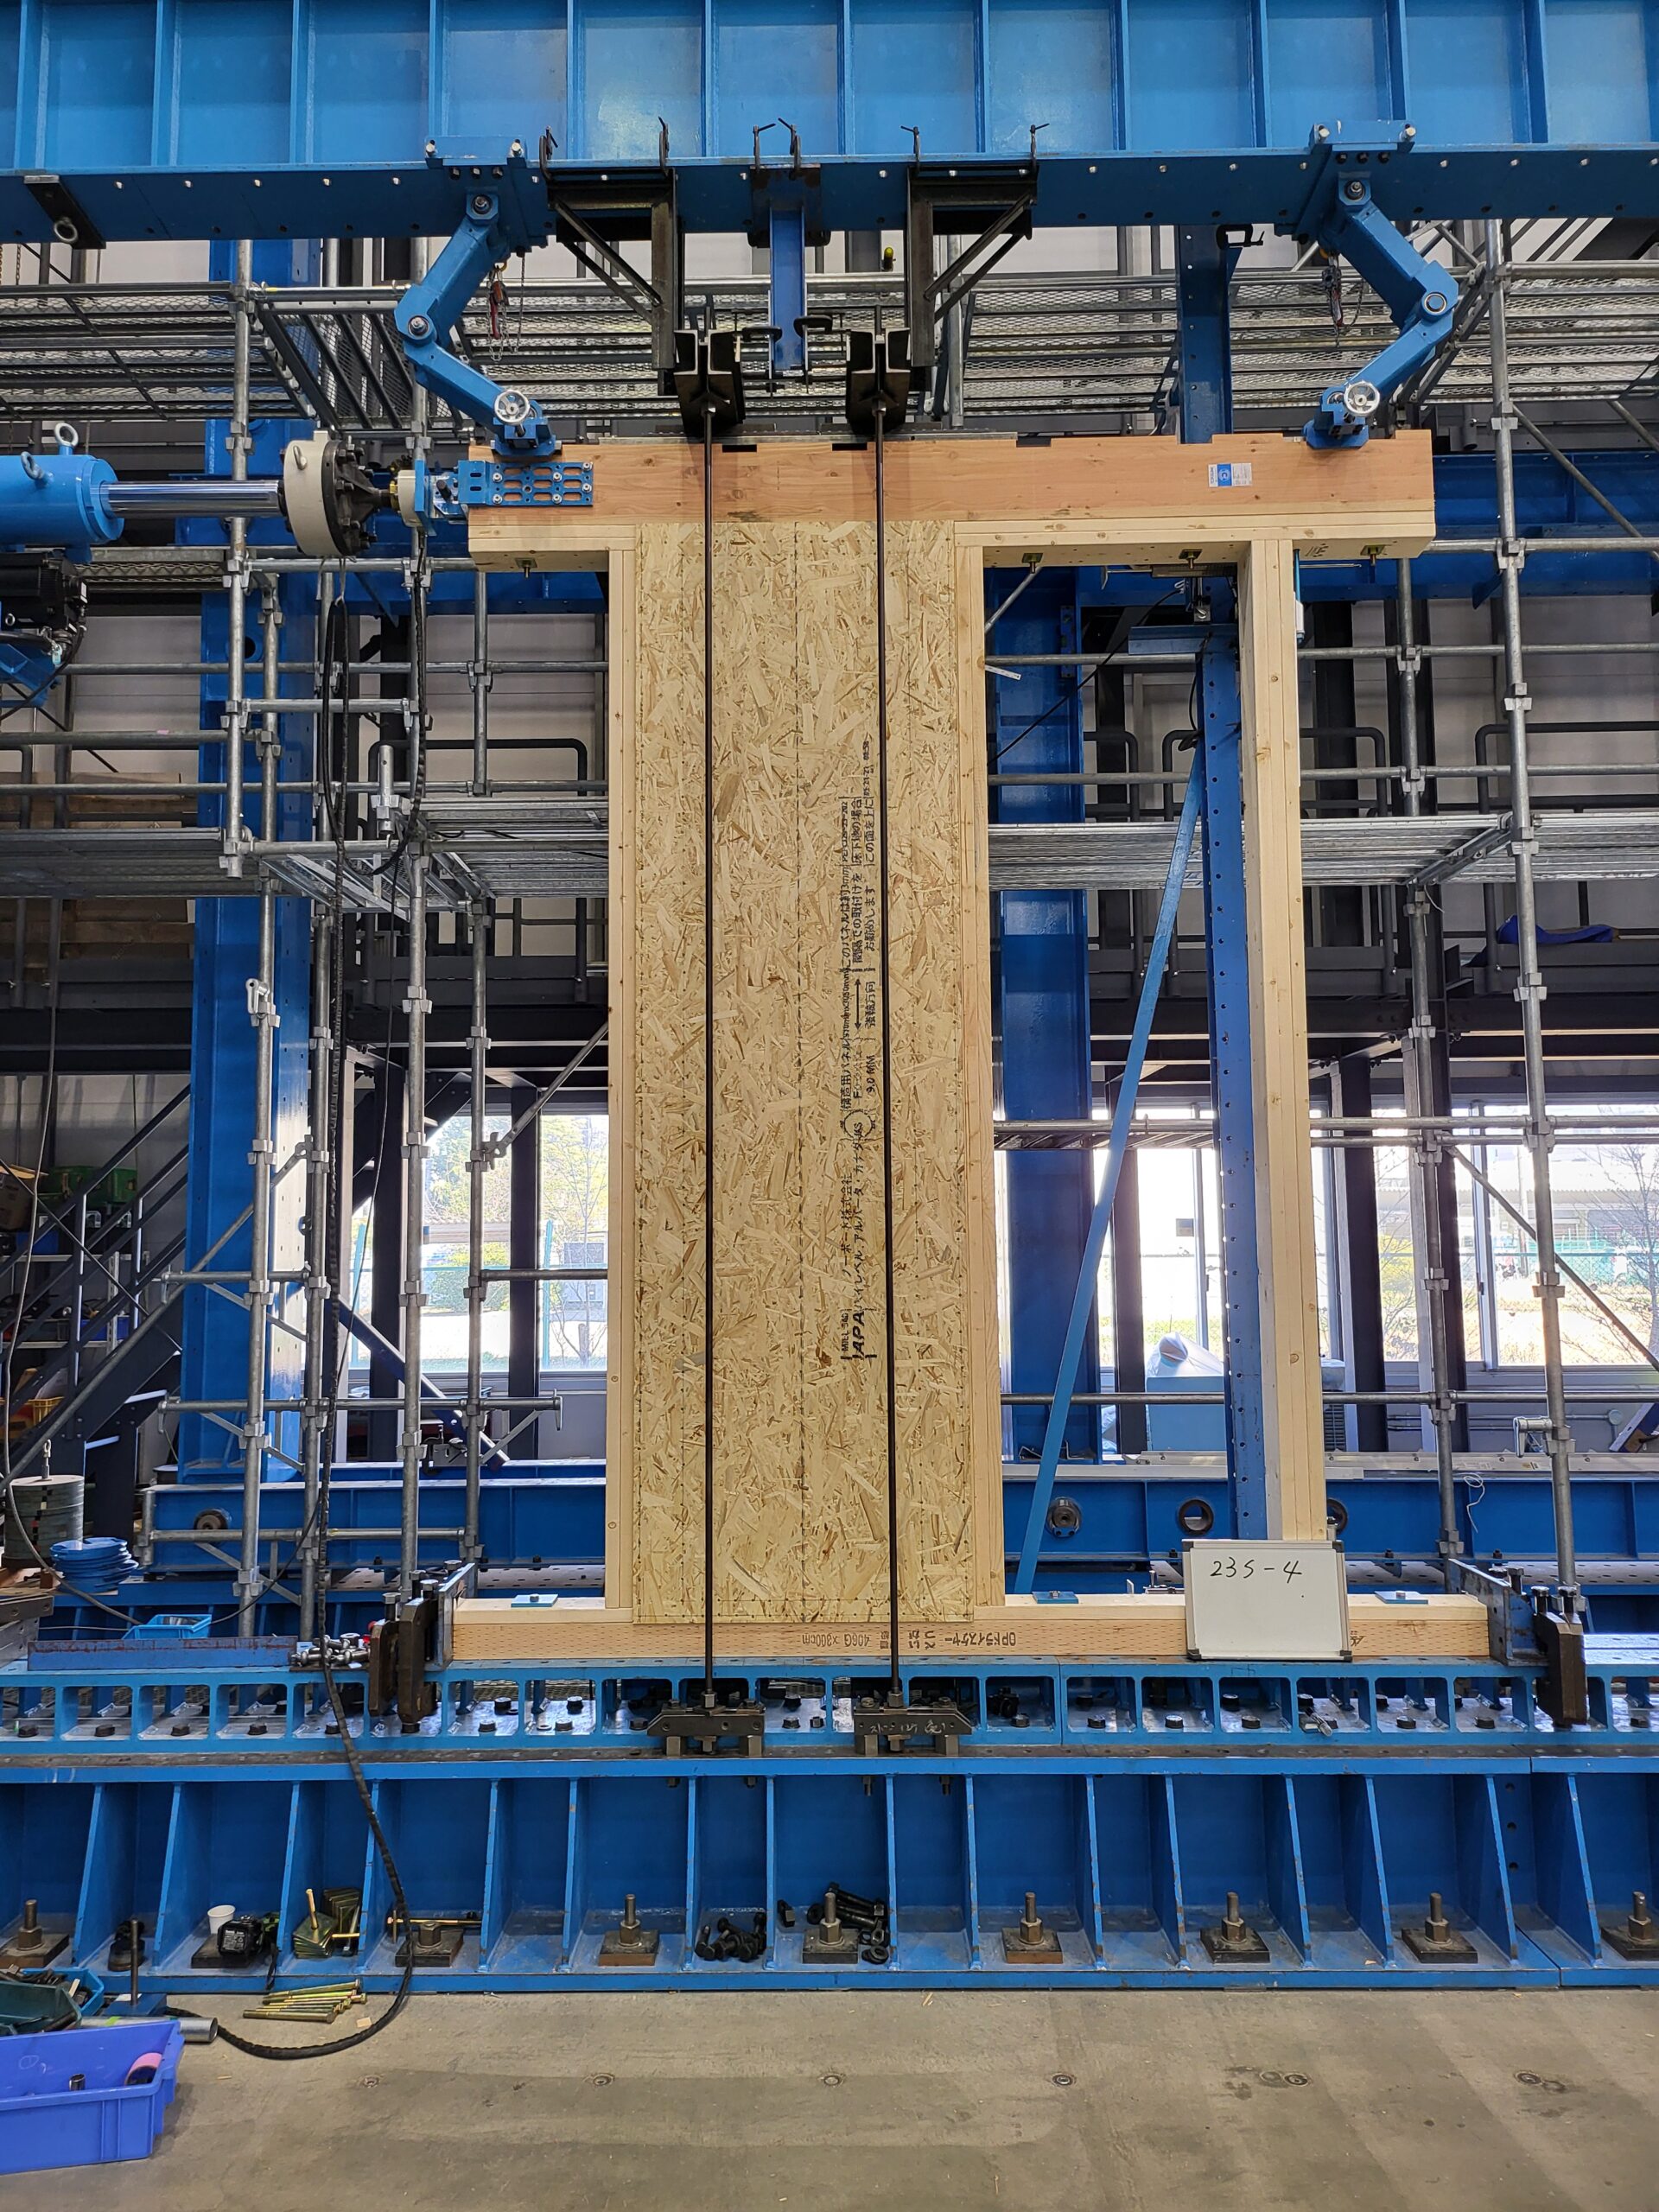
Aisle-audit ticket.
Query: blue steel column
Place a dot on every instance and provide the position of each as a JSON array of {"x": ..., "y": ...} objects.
[
  {"x": 1042, "y": 986},
  {"x": 1205, "y": 266},
  {"x": 214, "y": 1360},
  {"x": 1226, "y": 944},
  {"x": 787, "y": 291},
  {"x": 1204, "y": 270}
]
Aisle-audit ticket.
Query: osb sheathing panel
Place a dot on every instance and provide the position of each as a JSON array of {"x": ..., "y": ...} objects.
[
  {"x": 656, "y": 1412},
  {"x": 800, "y": 1307}
]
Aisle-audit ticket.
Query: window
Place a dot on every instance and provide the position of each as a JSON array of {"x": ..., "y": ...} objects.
[
  {"x": 1606, "y": 1200},
  {"x": 575, "y": 1231}
]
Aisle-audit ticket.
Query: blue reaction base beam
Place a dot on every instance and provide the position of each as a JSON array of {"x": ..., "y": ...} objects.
[{"x": 1118, "y": 1792}]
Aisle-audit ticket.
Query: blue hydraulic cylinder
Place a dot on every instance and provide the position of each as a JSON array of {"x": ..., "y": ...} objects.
[
  {"x": 215, "y": 1359},
  {"x": 57, "y": 500},
  {"x": 1227, "y": 945},
  {"x": 1042, "y": 987}
]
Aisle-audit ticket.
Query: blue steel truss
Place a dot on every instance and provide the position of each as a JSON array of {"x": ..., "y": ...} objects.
[{"x": 320, "y": 117}]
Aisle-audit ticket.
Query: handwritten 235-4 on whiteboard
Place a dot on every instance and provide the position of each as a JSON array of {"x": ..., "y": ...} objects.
[{"x": 1266, "y": 1600}]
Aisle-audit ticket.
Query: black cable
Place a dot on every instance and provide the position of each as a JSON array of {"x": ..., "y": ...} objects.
[
  {"x": 333, "y": 1367},
  {"x": 707, "y": 1046},
  {"x": 48, "y": 1097},
  {"x": 1096, "y": 664},
  {"x": 884, "y": 904}
]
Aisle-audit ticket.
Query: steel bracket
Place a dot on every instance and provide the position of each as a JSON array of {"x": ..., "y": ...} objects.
[
  {"x": 995, "y": 203},
  {"x": 733, "y": 1730},
  {"x": 888, "y": 1724}
]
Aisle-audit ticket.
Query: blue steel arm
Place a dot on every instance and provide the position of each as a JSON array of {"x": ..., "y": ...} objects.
[
  {"x": 1083, "y": 1297},
  {"x": 426, "y": 315},
  {"x": 1420, "y": 296}
]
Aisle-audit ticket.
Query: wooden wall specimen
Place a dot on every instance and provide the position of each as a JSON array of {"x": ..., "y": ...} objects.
[
  {"x": 800, "y": 1310},
  {"x": 800, "y": 1420}
]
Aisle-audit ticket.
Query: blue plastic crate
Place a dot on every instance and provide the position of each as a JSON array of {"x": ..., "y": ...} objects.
[
  {"x": 170, "y": 1628},
  {"x": 45, "y": 2123}
]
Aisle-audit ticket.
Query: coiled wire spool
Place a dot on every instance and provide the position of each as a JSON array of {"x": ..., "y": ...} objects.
[{"x": 41, "y": 1511}]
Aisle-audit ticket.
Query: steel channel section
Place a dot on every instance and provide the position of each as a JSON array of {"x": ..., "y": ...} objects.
[
  {"x": 1131, "y": 1797},
  {"x": 331, "y": 107},
  {"x": 1042, "y": 1004},
  {"x": 214, "y": 1360}
]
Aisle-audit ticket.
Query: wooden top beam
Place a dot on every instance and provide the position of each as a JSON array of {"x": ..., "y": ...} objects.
[{"x": 1150, "y": 497}]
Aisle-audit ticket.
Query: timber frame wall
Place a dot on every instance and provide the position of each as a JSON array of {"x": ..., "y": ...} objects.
[{"x": 801, "y": 1524}]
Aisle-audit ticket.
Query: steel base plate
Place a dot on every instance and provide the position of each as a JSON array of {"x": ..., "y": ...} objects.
[
  {"x": 1641, "y": 1945},
  {"x": 1450, "y": 1950},
  {"x": 1244, "y": 1948}
]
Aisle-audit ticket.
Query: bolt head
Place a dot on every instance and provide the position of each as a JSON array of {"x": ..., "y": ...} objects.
[
  {"x": 482, "y": 204},
  {"x": 1354, "y": 189},
  {"x": 418, "y": 326}
]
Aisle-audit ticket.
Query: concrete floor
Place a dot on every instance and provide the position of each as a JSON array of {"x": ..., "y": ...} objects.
[{"x": 1080, "y": 2101}]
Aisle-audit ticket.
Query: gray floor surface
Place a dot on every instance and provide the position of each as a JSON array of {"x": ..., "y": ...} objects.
[{"x": 1082, "y": 2101}]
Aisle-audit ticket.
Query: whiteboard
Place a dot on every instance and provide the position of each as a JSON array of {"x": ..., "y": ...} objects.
[{"x": 1266, "y": 1600}]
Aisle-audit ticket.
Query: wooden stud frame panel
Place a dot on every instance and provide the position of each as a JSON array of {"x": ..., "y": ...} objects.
[{"x": 801, "y": 1515}]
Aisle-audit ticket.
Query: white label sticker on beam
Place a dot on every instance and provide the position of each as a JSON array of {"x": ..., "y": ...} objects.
[{"x": 1266, "y": 1600}]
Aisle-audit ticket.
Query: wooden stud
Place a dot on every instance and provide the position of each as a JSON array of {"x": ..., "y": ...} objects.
[{"x": 1287, "y": 1300}]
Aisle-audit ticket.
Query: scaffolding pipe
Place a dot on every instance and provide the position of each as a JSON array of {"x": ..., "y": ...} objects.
[
  {"x": 1530, "y": 985},
  {"x": 319, "y": 1285},
  {"x": 477, "y": 1289},
  {"x": 236, "y": 567},
  {"x": 417, "y": 1007},
  {"x": 481, "y": 676},
  {"x": 262, "y": 1013},
  {"x": 1418, "y": 1071}
]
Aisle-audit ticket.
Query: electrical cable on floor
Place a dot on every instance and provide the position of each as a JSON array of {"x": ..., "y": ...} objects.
[{"x": 333, "y": 1358}]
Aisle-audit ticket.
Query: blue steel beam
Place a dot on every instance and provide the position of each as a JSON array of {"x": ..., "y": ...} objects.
[
  {"x": 552, "y": 1513},
  {"x": 321, "y": 118}
]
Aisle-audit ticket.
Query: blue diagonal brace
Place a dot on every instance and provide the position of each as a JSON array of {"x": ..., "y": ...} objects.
[{"x": 1123, "y": 1114}]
